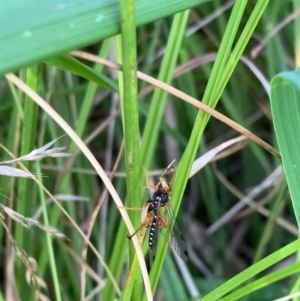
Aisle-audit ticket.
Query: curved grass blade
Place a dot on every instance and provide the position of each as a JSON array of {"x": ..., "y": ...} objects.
[{"x": 68, "y": 63}]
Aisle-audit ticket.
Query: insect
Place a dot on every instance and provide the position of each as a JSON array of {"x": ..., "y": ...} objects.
[{"x": 157, "y": 213}]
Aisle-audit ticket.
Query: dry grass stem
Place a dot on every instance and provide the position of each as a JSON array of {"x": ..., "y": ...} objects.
[
  {"x": 31, "y": 266},
  {"x": 41, "y": 153},
  {"x": 185, "y": 97}
]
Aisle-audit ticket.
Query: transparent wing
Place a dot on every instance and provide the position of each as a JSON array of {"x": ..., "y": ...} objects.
[{"x": 172, "y": 233}]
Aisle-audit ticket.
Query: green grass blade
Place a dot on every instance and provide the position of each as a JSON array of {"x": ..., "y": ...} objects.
[
  {"x": 209, "y": 96},
  {"x": 49, "y": 239},
  {"x": 68, "y": 63},
  {"x": 241, "y": 44},
  {"x": 130, "y": 121},
  {"x": 285, "y": 104},
  {"x": 202, "y": 118},
  {"x": 30, "y": 122},
  {"x": 86, "y": 106},
  {"x": 156, "y": 111},
  {"x": 252, "y": 271},
  {"x": 149, "y": 141},
  {"x": 223, "y": 53},
  {"x": 171, "y": 278},
  {"x": 264, "y": 281},
  {"x": 117, "y": 257}
]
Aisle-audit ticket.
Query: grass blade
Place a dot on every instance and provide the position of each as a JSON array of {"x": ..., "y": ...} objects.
[
  {"x": 252, "y": 271},
  {"x": 68, "y": 63}
]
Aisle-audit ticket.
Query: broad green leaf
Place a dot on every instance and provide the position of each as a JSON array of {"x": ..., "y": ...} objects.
[
  {"x": 285, "y": 104},
  {"x": 36, "y": 30}
]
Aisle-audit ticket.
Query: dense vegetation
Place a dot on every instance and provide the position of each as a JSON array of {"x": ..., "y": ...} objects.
[{"x": 215, "y": 90}]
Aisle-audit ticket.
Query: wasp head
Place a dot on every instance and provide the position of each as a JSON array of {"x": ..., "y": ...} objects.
[{"x": 164, "y": 186}]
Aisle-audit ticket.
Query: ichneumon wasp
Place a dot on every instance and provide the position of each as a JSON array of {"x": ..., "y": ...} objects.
[{"x": 157, "y": 213}]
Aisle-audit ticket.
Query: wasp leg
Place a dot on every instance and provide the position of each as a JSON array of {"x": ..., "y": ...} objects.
[
  {"x": 134, "y": 208},
  {"x": 148, "y": 185},
  {"x": 162, "y": 222},
  {"x": 135, "y": 232},
  {"x": 147, "y": 222},
  {"x": 131, "y": 208}
]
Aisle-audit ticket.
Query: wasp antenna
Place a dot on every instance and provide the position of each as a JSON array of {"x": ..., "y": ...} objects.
[
  {"x": 171, "y": 163},
  {"x": 169, "y": 167}
]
